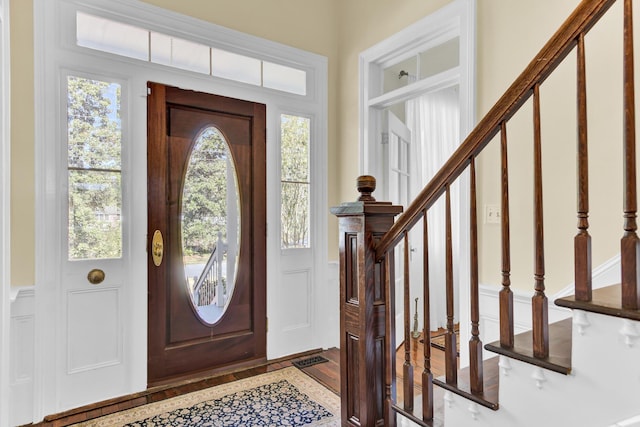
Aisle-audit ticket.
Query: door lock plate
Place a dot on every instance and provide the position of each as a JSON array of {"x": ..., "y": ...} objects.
[{"x": 157, "y": 248}]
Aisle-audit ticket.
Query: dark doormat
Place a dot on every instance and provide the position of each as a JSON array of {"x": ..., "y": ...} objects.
[{"x": 310, "y": 361}]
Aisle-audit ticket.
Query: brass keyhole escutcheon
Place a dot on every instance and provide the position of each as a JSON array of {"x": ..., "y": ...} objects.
[
  {"x": 95, "y": 276},
  {"x": 157, "y": 248}
]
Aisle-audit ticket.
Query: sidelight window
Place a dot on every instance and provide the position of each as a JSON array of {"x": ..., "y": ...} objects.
[
  {"x": 94, "y": 137},
  {"x": 295, "y": 184}
]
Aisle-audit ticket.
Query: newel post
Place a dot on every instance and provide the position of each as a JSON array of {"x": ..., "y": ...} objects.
[{"x": 365, "y": 392}]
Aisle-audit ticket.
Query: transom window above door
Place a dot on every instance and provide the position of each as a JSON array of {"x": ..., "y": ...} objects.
[
  {"x": 424, "y": 63},
  {"x": 131, "y": 41}
]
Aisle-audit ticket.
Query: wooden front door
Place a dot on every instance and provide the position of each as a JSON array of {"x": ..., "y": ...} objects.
[{"x": 181, "y": 341}]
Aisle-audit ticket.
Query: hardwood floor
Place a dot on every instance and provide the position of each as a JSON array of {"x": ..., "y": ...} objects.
[{"x": 327, "y": 373}]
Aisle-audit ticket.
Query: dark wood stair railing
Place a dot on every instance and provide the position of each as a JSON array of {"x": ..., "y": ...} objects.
[{"x": 368, "y": 238}]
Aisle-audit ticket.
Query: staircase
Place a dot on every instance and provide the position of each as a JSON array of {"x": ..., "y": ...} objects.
[{"x": 579, "y": 372}]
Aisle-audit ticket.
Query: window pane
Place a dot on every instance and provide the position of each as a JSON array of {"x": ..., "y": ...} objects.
[
  {"x": 295, "y": 215},
  {"x": 179, "y": 53},
  {"x": 235, "y": 67},
  {"x": 440, "y": 58},
  {"x": 295, "y": 148},
  {"x": 94, "y": 139},
  {"x": 113, "y": 37},
  {"x": 93, "y": 123},
  {"x": 95, "y": 205},
  {"x": 287, "y": 79},
  {"x": 160, "y": 48},
  {"x": 295, "y": 143},
  {"x": 399, "y": 75}
]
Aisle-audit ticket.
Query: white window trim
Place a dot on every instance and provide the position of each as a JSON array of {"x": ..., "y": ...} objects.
[
  {"x": 457, "y": 18},
  {"x": 5, "y": 212},
  {"x": 56, "y": 52}
]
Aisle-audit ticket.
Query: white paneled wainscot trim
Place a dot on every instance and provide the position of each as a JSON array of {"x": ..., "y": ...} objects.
[{"x": 21, "y": 333}]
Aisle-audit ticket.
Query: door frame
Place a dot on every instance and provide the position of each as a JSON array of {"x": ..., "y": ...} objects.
[
  {"x": 457, "y": 19},
  {"x": 55, "y": 50}
]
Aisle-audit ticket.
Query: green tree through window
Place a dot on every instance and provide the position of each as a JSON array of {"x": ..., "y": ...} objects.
[
  {"x": 204, "y": 198},
  {"x": 94, "y": 163},
  {"x": 295, "y": 141}
]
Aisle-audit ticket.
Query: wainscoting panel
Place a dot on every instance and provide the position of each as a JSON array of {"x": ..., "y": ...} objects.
[
  {"x": 98, "y": 343},
  {"x": 297, "y": 287},
  {"x": 21, "y": 364}
]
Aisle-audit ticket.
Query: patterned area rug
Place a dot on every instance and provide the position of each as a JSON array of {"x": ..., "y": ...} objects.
[{"x": 286, "y": 397}]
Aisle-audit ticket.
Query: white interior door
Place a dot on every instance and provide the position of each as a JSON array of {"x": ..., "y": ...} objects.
[{"x": 403, "y": 184}]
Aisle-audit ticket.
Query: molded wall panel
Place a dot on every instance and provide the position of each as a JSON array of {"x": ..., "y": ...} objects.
[
  {"x": 95, "y": 344},
  {"x": 297, "y": 286},
  {"x": 21, "y": 366}
]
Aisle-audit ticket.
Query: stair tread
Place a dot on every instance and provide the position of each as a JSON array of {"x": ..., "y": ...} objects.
[
  {"x": 491, "y": 374},
  {"x": 559, "y": 359},
  {"x": 607, "y": 300}
]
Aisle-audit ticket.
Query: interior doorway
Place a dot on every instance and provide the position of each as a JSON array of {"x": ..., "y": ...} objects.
[
  {"x": 429, "y": 66},
  {"x": 421, "y": 135},
  {"x": 206, "y": 231}
]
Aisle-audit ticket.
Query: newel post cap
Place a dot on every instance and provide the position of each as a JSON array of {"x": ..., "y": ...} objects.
[
  {"x": 366, "y": 203},
  {"x": 366, "y": 185}
]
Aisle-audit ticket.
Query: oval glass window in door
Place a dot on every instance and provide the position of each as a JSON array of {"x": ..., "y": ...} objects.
[{"x": 210, "y": 218}]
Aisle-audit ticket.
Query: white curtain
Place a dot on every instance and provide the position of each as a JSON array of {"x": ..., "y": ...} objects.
[{"x": 434, "y": 120}]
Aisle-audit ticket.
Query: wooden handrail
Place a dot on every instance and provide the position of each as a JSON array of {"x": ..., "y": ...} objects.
[{"x": 556, "y": 49}]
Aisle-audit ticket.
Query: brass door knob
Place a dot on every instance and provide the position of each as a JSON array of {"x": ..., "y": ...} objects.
[{"x": 95, "y": 276}]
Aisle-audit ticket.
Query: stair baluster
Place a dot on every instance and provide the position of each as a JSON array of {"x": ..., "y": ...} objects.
[
  {"x": 407, "y": 368},
  {"x": 451, "y": 352},
  {"x": 582, "y": 241},
  {"x": 389, "y": 414},
  {"x": 630, "y": 245},
  {"x": 427, "y": 376},
  {"x": 540, "y": 306},
  {"x": 475, "y": 345},
  {"x": 506, "y": 296}
]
